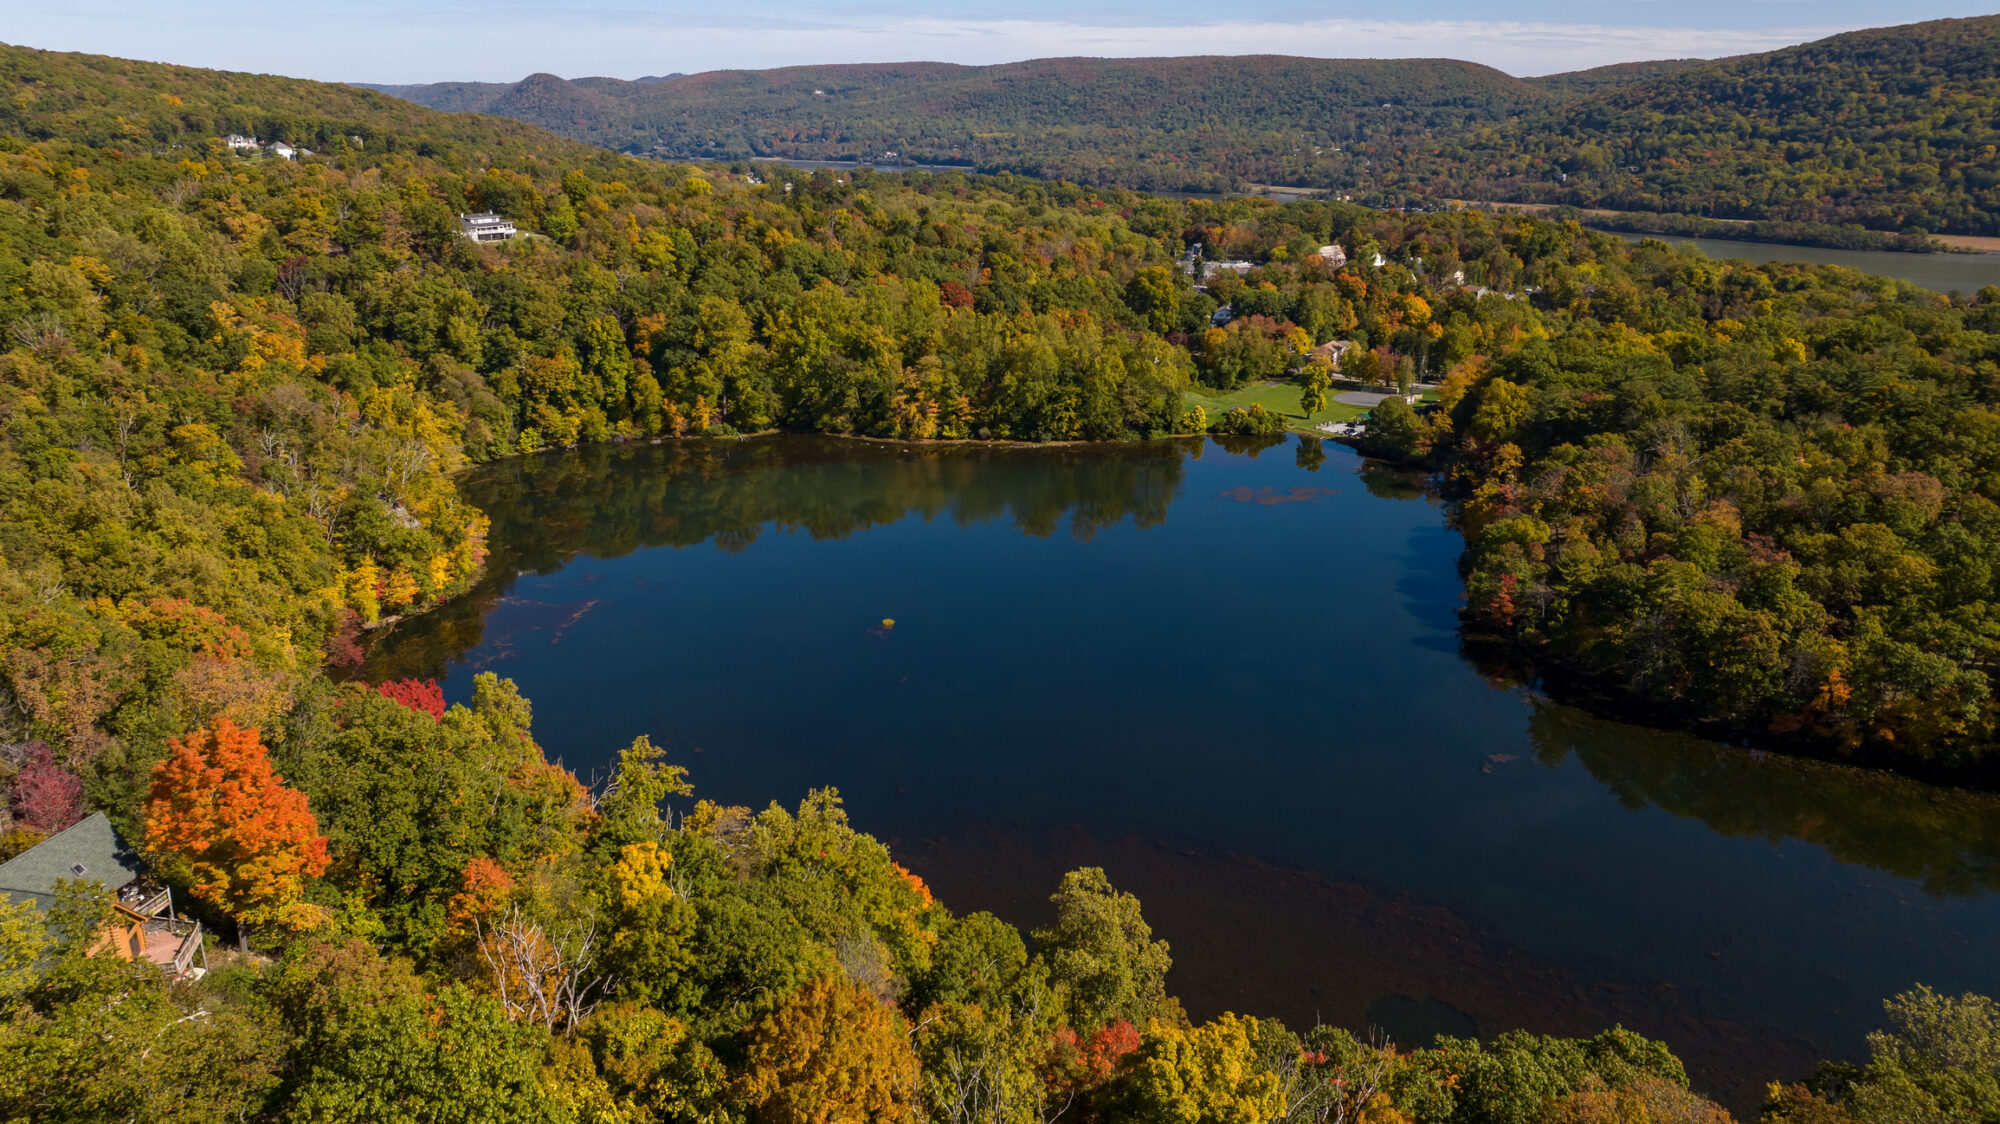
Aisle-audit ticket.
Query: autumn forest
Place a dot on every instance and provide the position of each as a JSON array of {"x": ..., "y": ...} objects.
[{"x": 237, "y": 389}]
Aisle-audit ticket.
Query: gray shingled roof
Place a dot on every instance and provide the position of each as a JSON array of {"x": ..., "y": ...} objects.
[{"x": 91, "y": 844}]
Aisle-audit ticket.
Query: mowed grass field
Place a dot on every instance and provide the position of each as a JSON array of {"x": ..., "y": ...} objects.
[{"x": 1279, "y": 397}]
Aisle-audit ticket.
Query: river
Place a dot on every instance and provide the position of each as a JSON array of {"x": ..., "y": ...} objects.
[
  {"x": 1229, "y": 675},
  {"x": 1947, "y": 273}
]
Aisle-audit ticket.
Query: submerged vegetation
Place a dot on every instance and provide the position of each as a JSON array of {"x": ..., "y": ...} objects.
[{"x": 236, "y": 390}]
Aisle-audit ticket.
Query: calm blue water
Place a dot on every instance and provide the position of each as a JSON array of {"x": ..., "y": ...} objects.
[{"x": 1232, "y": 679}]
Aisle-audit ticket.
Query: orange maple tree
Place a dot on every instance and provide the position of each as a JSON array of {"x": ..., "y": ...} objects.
[{"x": 246, "y": 842}]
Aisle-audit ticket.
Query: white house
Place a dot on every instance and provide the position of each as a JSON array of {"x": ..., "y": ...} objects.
[
  {"x": 1211, "y": 268},
  {"x": 1333, "y": 351},
  {"x": 485, "y": 227},
  {"x": 239, "y": 142},
  {"x": 280, "y": 148}
]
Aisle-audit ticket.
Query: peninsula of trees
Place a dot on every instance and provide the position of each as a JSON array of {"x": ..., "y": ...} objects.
[{"x": 235, "y": 389}]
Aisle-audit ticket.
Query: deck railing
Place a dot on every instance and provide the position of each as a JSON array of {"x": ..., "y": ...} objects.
[
  {"x": 186, "y": 936},
  {"x": 185, "y": 954}
]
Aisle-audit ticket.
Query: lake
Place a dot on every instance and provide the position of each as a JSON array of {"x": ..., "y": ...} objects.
[
  {"x": 1947, "y": 273},
  {"x": 1231, "y": 676}
]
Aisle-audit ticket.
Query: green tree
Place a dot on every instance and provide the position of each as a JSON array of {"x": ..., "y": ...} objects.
[
  {"x": 629, "y": 808},
  {"x": 1101, "y": 952},
  {"x": 1937, "y": 1062},
  {"x": 1312, "y": 398},
  {"x": 1155, "y": 294},
  {"x": 559, "y": 219},
  {"x": 411, "y": 1059}
]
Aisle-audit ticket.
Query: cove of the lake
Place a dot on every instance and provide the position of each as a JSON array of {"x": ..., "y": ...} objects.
[{"x": 1233, "y": 679}]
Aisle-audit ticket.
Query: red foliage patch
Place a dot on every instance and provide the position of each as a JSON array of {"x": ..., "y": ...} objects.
[
  {"x": 1103, "y": 1050},
  {"x": 421, "y": 695},
  {"x": 343, "y": 648},
  {"x": 47, "y": 797}
]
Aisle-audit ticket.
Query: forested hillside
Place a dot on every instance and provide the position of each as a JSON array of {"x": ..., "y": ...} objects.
[
  {"x": 1889, "y": 129},
  {"x": 1198, "y": 124},
  {"x": 235, "y": 388}
]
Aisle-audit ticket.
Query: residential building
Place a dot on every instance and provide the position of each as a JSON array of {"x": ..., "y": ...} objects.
[
  {"x": 239, "y": 142},
  {"x": 485, "y": 227},
  {"x": 1333, "y": 255},
  {"x": 1332, "y": 351},
  {"x": 142, "y": 925},
  {"x": 281, "y": 149}
]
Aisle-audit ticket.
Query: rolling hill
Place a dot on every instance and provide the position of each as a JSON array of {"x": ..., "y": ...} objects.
[{"x": 1890, "y": 129}]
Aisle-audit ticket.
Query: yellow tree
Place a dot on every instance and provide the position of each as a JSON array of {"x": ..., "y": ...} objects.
[
  {"x": 829, "y": 1053},
  {"x": 1207, "y": 1075}
]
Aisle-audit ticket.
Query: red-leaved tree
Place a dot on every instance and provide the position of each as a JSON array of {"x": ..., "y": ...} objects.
[
  {"x": 421, "y": 695},
  {"x": 218, "y": 815},
  {"x": 47, "y": 797}
]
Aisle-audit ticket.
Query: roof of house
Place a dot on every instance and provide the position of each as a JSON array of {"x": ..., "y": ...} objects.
[{"x": 89, "y": 849}]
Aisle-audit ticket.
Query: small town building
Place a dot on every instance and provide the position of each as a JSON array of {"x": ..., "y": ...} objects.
[
  {"x": 1211, "y": 268},
  {"x": 281, "y": 149},
  {"x": 1333, "y": 255},
  {"x": 1332, "y": 351},
  {"x": 1222, "y": 316},
  {"x": 485, "y": 227},
  {"x": 142, "y": 925},
  {"x": 239, "y": 142}
]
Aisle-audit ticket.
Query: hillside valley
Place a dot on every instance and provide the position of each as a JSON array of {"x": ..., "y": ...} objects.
[
  {"x": 496, "y": 629},
  {"x": 1889, "y": 129}
]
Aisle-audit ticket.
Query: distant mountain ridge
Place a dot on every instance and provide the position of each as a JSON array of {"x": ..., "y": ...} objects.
[{"x": 1889, "y": 128}]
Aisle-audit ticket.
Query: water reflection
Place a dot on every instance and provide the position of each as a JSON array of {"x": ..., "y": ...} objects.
[
  {"x": 1947, "y": 841},
  {"x": 1339, "y": 815},
  {"x": 607, "y": 501}
]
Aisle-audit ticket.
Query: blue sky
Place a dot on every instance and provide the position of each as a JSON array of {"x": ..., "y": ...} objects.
[{"x": 438, "y": 40}]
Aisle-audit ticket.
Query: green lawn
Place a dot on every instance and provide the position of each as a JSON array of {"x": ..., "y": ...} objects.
[{"x": 1280, "y": 397}]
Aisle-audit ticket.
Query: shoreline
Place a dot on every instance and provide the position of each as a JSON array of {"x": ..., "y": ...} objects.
[
  {"x": 1545, "y": 678},
  {"x": 1635, "y": 222}
]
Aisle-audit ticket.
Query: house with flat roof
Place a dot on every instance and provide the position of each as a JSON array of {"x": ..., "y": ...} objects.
[
  {"x": 485, "y": 227},
  {"x": 142, "y": 925}
]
